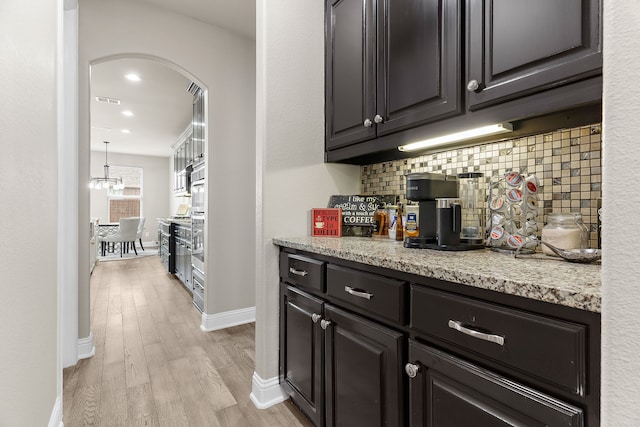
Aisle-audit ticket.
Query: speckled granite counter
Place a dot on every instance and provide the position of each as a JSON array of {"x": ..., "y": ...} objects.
[{"x": 537, "y": 277}]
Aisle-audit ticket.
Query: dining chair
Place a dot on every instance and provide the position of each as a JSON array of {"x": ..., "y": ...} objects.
[
  {"x": 139, "y": 235},
  {"x": 127, "y": 232}
]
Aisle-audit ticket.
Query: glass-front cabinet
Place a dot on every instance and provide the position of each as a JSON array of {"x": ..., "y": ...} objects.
[{"x": 198, "y": 137}]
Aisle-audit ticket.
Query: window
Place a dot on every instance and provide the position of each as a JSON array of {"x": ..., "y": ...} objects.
[{"x": 127, "y": 202}]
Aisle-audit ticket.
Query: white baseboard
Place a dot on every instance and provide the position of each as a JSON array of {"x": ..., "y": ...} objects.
[
  {"x": 227, "y": 319},
  {"x": 266, "y": 393},
  {"x": 86, "y": 349},
  {"x": 56, "y": 415}
]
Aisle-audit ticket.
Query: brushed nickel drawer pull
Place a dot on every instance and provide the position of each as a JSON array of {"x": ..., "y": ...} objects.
[
  {"x": 297, "y": 272},
  {"x": 356, "y": 293},
  {"x": 457, "y": 325}
]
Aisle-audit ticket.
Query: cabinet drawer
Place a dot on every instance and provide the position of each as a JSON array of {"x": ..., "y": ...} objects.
[
  {"x": 375, "y": 294},
  {"x": 445, "y": 391},
  {"x": 538, "y": 346},
  {"x": 302, "y": 271}
]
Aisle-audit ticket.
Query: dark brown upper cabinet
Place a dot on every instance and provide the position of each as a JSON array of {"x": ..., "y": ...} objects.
[
  {"x": 390, "y": 65},
  {"x": 399, "y": 71},
  {"x": 518, "y": 47}
]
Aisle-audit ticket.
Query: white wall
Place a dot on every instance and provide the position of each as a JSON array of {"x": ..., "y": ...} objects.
[
  {"x": 156, "y": 193},
  {"x": 621, "y": 205},
  {"x": 28, "y": 211},
  {"x": 222, "y": 63},
  {"x": 292, "y": 177}
]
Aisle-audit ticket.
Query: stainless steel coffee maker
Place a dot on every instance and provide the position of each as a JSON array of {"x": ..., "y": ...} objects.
[{"x": 441, "y": 212}]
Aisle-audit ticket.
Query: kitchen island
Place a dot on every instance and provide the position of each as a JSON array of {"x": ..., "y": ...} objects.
[{"x": 425, "y": 337}]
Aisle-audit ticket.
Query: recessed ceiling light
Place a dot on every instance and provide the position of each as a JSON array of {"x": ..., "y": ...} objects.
[
  {"x": 127, "y": 113},
  {"x": 125, "y": 131},
  {"x": 133, "y": 77}
]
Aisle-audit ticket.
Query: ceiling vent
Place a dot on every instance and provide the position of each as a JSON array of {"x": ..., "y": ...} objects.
[
  {"x": 108, "y": 100},
  {"x": 193, "y": 88}
]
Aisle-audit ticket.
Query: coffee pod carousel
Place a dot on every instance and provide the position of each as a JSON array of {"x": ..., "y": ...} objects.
[{"x": 513, "y": 212}]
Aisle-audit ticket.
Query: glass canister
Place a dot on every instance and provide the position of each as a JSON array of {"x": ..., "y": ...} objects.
[
  {"x": 565, "y": 230},
  {"x": 472, "y": 191}
]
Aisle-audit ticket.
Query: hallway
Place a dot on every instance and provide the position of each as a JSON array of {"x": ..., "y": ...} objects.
[{"x": 153, "y": 365}]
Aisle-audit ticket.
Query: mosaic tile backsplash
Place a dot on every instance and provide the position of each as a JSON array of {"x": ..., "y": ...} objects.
[{"x": 566, "y": 162}]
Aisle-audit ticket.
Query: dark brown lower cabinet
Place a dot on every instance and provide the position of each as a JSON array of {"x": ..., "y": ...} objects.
[
  {"x": 301, "y": 351},
  {"x": 366, "y": 347},
  {"x": 339, "y": 368},
  {"x": 448, "y": 392},
  {"x": 363, "y": 371}
]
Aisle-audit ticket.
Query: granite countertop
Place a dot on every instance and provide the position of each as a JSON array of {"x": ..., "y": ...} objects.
[
  {"x": 181, "y": 220},
  {"x": 537, "y": 276}
]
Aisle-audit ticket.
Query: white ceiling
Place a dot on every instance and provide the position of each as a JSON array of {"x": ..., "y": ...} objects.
[{"x": 160, "y": 102}]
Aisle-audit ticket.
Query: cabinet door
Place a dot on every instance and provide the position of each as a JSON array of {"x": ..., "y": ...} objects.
[
  {"x": 301, "y": 351},
  {"x": 419, "y": 52},
  {"x": 449, "y": 392},
  {"x": 198, "y": 128},
  {"x": 363, "y": 371},
  {"x": 350, "y": 71},
  {"x": 518, "y": 47}
]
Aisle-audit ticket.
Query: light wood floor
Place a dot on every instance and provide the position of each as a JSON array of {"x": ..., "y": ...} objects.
[{"x": 153, "y": 365}]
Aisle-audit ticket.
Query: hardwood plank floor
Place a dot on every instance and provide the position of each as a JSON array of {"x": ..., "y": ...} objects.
[{"x": 154, "y": 366}]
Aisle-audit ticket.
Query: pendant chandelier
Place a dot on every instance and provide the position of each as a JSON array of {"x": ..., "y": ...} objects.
[{"x": 106, "y": 181}]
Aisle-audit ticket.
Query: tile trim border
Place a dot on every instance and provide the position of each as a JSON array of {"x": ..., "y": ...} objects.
[
  {"x": 266, "y": 393},
  {"x": 227, "y": 319}
]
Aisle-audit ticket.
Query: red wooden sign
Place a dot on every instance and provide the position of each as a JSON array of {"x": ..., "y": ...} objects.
[{"x": 326, "y": 222}]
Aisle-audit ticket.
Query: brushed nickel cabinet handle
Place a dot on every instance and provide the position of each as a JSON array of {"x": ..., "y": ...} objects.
[
  {"x": 315, "y": 317},
  {"x": 297, "y": 272},
  {"x": 357, "y": 293},
  {"x": 378, "y": 119},
  {"x": 457, "y": 325},
  {"x": 368, "y": 123}
]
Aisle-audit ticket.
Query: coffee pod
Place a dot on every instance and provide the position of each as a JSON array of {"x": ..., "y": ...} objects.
[
  {"x": 497, "y": 236},
  {"x": 515, "y": 241},
  {"x": 530, "y": 242},
  {"x": 511, "y": 226},
  {"x": 514, "y": 195},
  {"x": 514, "y": 179},
  {"x": 497, "y": 219},
  {"x": 530, "y": 228},
  {"x": 532, "y": 202},
  {"x": 531, "y": 184},
  {"x": 514, "y": 212},
  {"x": 497, "y": 204}
]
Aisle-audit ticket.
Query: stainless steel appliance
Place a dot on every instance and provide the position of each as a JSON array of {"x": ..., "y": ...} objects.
[
  {"x": 183, "y": 255},
  {"x": 198, "y": 288},
  {"x": 198, "y": 190},
  {"x": 425, "y": 188},
  {"x": 448, "y": 221},
  {"x": 440, "y": 212},
  {"x": 165, "y": 245},
  {"x": 197, "y": 241},
  {"x": 198, "y": 255}
]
